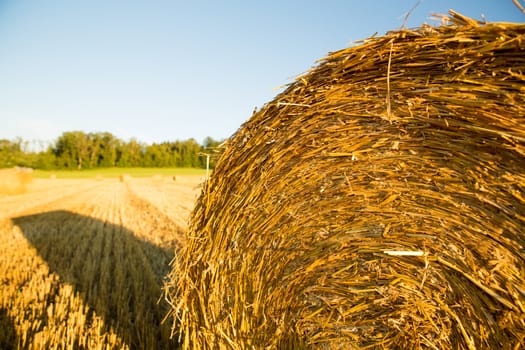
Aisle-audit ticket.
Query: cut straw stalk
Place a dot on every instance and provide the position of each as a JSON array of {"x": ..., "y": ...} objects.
[{"x": 404, "y": 252}]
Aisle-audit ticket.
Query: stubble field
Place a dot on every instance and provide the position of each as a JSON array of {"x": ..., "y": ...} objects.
[{"x": 83, "y": 260}]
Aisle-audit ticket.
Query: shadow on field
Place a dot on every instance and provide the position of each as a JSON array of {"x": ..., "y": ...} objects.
[
  {"x": 8, "y": 336},
  {"x": 117, "y": 275}
]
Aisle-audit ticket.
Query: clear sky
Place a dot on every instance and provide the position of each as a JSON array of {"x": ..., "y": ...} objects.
[{"x": 172, "y": 70}]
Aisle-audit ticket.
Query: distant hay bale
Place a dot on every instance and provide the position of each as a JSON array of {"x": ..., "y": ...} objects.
[
  {"x": 15, "y": 180},
  {"x": 124, "y": 177},
  {"x": 378, "y": 202}
]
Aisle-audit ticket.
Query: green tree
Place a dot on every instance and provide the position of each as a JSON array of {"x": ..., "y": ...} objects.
[
  {"x": 11, "y": 153},
  {"x": 72, "y": 149},
  {"x": 104, "y": 146},
  {"x": 76, "y": 149},
  {"x": 209, "y": 142},
  {"x": 45, "y": 160},
  {"x": 190, "y": 154},
  {"x": 211, "y": 148},
  {"x": 130, "y": 154}
]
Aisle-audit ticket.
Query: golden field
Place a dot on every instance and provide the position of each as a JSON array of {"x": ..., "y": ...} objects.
[{"x": 83, "y": 261}]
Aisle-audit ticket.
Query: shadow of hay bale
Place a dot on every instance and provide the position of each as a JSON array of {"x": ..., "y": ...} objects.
[
  {"x": 117, "y": 274},
  {"x": 9, "y": 339},
  {"x": 15, "y": 180},
  {"x": 378, "y": 202}
]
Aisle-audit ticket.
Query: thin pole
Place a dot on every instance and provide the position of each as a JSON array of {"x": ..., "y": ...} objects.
[{"x": 207, "y": 166}]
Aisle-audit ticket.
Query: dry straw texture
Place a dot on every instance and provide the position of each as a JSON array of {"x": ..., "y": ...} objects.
[
  {"x": 15, "y": 181},
  {"x": 378, "y": 202}
]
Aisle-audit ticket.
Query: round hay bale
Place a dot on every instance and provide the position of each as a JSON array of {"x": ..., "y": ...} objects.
[
  {"x": 15, "y": 180},
  {"x": 124, "y": 177},
  {"x": 378, "y": 202}
]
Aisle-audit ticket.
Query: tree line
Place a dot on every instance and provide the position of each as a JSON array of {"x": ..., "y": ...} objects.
[{"x": 80, "y": 150}]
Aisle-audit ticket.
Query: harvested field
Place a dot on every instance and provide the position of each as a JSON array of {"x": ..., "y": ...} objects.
[
  {"x": 83, "y": 261},
  {"x": 377, "y": 203}
]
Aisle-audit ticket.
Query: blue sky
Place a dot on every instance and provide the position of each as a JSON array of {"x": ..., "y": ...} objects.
[{"x": 172, "y": 70}]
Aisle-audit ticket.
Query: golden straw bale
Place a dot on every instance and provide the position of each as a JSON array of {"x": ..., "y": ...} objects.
[
  {"x": 124, "y": 177},
  {"x": 378, "y": 202},
  {"x": 15, "y": 180}
]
